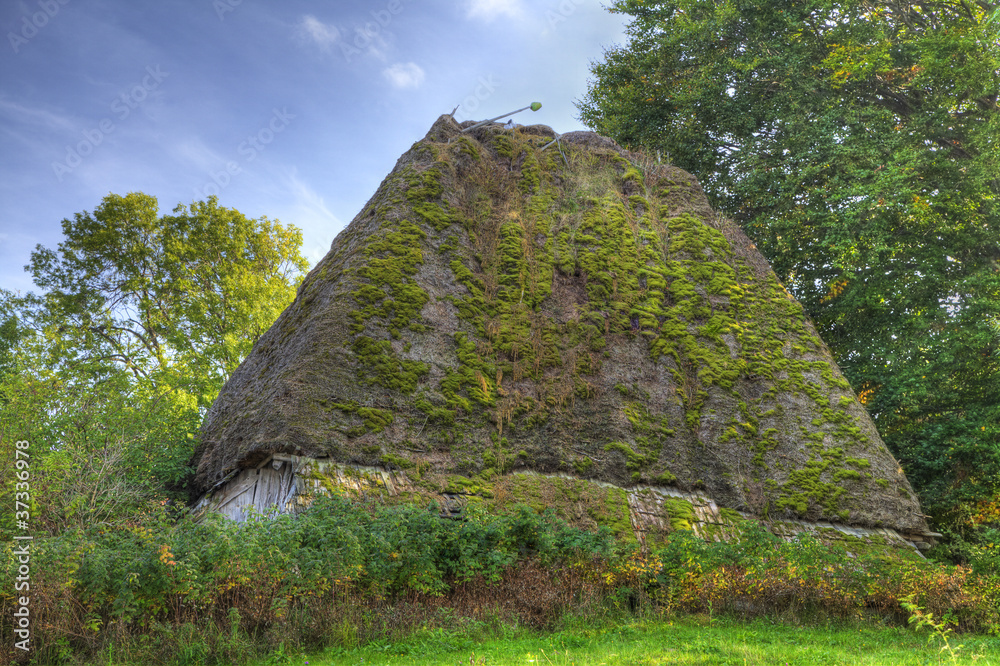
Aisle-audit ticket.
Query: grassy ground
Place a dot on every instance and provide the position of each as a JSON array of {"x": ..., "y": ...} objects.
[{"x": 694, "y": 641}]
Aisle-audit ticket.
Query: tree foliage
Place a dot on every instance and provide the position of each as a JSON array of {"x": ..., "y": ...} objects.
[
  {"x": 857, "y": 143},
  {"x": 108, "y": 371},
  {"x": 183, "y": 295}
]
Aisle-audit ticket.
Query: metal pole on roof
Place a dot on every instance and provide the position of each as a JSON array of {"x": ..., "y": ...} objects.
[
  {"x": 534, "y": 106},
  {"x": 559, "y": 146}
]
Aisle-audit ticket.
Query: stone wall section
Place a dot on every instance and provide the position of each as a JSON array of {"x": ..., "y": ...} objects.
[{"x": 290, "y": 483}]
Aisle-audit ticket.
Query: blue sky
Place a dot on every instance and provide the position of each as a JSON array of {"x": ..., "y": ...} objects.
[{"x": 295, "y": 110}]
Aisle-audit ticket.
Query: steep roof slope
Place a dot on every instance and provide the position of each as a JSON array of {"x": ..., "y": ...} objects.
[{"x": 576, "y": 308}]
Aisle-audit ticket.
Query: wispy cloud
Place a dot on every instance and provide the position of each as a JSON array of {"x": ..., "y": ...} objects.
[
  {"x": 194, "y": 154},
  {"x": 309, "y": 199},
  {"x": 489, "y": 10},
  {"x": 364, "y": 39},
  {"x": 308, "y": 211},
  {"x": 324, "y": 35},
  {"x": 404, "y": 75},
  {"x": 35, "y": 116}
]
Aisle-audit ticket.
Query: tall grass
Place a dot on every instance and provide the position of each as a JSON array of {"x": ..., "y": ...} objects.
[
  {"x": 693, "y": 640},
  {"x": 342, "y": 575}
]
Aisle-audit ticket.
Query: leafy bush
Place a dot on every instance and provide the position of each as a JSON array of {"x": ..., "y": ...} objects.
[
  {"x": 99, "y": 584},
  {"x": 215, "y": 591}
]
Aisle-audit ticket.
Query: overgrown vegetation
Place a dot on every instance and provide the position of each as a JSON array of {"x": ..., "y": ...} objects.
[
  {"x": 342, "y": 575},
  {"x": 855, "y": 142},
  {"x": 540, "y": 268},
  {"x": 108, "y": 371},
  {"x": 562, "y": 260}
]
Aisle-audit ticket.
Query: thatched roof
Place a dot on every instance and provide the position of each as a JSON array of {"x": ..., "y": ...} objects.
[{"x": 502, "y": 305}]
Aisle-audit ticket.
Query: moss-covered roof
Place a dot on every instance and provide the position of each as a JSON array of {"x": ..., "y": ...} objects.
[{"x": 499, "y": 306}]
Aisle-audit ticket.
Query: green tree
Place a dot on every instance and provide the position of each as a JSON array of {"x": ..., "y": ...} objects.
[
  {"x": 100, "y": 450},
  {"x": 174, "y": 299},
  {"x": 857, "y": 143},
  {"x": 10, "y": 333},
  {"x": 108, "y": 371}
]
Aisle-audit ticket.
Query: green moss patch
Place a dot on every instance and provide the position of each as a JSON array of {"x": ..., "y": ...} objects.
[
  {"x": 375, "y": 420},
  {"x": 390, "y": 292},
  {"x": 580, "y": 502},
  {"x": 509, "y": 308}
]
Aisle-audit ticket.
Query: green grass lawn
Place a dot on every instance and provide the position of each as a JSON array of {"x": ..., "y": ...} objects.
[{"x": 695, "y": 641}]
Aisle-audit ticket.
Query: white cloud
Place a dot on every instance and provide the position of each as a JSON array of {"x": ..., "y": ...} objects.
[
  {"x": 491, "y": 9},
  {"x": 324, "y": 35},
  {"x": 366, "y": 39},
  {"x": 404, "y": 75}
]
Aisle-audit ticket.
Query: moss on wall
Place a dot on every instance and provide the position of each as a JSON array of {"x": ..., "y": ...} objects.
[
  {"x": 510, "y": 309},
  {"x": 578, "y": 501}
]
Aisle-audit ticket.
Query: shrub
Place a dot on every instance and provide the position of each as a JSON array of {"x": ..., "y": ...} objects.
[{"x": 216, "y": 591}]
